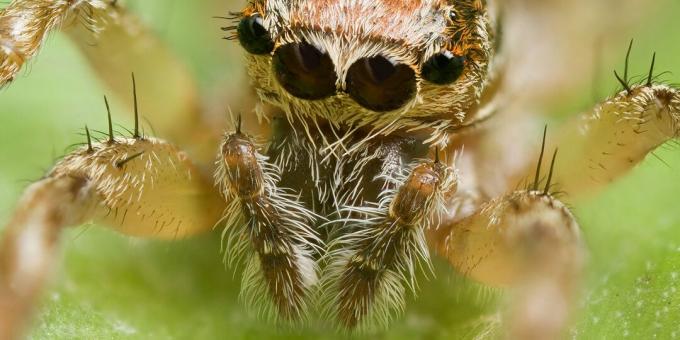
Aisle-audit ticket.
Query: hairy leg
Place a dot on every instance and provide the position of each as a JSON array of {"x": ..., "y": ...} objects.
[
  {"x": 505, "y": 149},
  {"x": 598, "y": 147},
  {"x": 26, "y": 24},
  {"x": 595, "y": 148},
  {"x": 29, "y": 246},
  {"x": 140, "y": 187},
  {"x": 528, "y": 241}
]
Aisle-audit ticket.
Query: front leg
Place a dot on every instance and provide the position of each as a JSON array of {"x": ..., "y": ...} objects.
[
  {"x": 270, "y": 227},
  {"x": 139, "y": 186},
  {"x": 527, "y": 241},
  {"x": 372, "y": 265},
  {"x": 30, "y": 244},
  {"x": 603, "y": 145}
]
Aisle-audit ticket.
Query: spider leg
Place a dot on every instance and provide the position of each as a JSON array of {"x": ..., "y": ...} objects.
[
  {"x": 115, "y": 43},
  {"x": 29, "y": 246},
  {"x": 374, "y": 261},
  {"x": 598, "y": 147},
  {"x": 270, "y": 227},
  {"x": 139, "y": 187},
  {"x": 526, "y": 240}
]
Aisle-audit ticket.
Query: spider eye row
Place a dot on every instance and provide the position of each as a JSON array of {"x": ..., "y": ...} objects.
[{"x": 376, "y": 83}]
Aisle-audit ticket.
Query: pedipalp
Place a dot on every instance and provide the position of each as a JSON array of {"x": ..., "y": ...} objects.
[
  {"x": 267, "y": 225},
  {"x": 375, "y": 260}
]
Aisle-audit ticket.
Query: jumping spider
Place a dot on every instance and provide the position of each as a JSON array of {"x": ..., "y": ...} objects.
[{"x": 366, "y": 150}]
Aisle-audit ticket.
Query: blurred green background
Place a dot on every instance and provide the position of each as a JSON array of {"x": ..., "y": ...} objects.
[{"x": 115, "y": 287}]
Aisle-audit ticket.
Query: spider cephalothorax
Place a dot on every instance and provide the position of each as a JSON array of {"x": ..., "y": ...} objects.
[{"x": 384, "y": 66}]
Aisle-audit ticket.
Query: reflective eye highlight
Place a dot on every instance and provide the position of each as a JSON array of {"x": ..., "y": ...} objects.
[
  {"x": 304, "y": 71},
  {"x": 443, "y": 68},
  {"x": 253, "y": 36},
  {"x": 380, "y": 85}
]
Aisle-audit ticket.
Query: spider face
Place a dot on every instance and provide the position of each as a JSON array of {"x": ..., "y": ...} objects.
[{"x": 381, "y": 64}]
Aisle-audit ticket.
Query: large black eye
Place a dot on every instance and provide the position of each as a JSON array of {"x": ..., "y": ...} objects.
[
  {"x": 380, "y": 85},
  {"x": 253, "y": 36},
  {"x": 304, "y": 71},
  {"x": 443, "y": 68}
]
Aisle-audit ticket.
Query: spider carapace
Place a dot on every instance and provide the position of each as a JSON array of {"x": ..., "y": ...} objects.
[{"x": 372, "y": 140}]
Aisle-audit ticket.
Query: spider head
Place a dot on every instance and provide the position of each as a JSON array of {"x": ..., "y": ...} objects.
[{"x": 378, "y": 64}]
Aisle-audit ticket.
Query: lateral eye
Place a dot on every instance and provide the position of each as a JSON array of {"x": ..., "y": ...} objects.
[
  {"x": 253, "y": 36},
  {"x": 443, "y": 68}
]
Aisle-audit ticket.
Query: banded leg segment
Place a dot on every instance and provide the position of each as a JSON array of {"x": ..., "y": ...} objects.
[
  {"x": 372, "y": 265},
  {"x": 527, "y": 241},
  {"x": 270, "y": 227},
  {"x": 140, "y": 187}
]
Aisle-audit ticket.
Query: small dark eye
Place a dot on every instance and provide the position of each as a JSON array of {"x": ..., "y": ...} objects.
[
  {"x": 443, "y": 68},
  {"x": 253, "y": 36},
  {"x": 304, "y": 71},
  {"x": 380, "y": 85}
]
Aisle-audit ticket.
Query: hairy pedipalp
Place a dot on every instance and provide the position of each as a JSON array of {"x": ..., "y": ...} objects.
[
  {"x": 373, "y": 263},
  {"x": 268, "y": 230}
]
